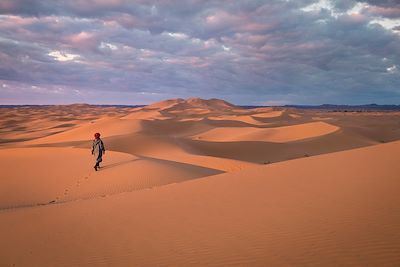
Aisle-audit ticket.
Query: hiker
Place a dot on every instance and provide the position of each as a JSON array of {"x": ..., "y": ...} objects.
[{"x": 98, "y": 150}]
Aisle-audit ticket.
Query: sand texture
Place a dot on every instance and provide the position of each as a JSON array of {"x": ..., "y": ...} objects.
[{"x": 199, "y": 183}]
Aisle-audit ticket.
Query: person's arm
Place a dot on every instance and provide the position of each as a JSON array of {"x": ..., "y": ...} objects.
[
  {"x": 92, "y": 148},
  {"x": 102, "y": 147}
]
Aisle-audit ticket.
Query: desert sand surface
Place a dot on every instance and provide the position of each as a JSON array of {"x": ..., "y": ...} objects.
[{"x": 199, "y": 183}]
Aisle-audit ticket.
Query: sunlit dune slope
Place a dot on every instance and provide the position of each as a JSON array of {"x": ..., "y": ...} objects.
[
  {"x": 180, "y": 105},
  {"x": 56, "y": 174},
  {"x": 144, "y": 114},
  {"x": 241, "y": 118},
  {"x": 164, "y": 104},
  {"x": 303, "y": 212},
  {"x": 106, "y": 126},
  {"x": 271, "y": 114},
  {"x": 26, "y": 123},
  {"x": 276, "y": 134}
]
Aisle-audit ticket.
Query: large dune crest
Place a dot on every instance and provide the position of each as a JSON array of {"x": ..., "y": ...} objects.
[
  {"x": 195, "y": 103},
  {"x": 165, "y": 104},
  {"x": 276, "y": 134},
  {"x": 237, "y": 118}
]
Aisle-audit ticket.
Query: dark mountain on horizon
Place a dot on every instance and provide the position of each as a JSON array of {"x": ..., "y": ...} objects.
[
  {"x": 332, "y": 107},
  {"x": 84, "y": 105}
]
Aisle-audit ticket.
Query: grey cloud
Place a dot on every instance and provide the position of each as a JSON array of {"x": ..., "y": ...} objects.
[
  {"x": 245, "y": 50},
  {"x": 384, "y": 3}
]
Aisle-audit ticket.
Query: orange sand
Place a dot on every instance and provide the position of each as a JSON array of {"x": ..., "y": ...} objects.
[
  {"x": 277, "y": 134},
  {"x": 181, "y": 184}
]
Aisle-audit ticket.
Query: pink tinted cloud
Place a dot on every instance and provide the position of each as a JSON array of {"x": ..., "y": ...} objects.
[
  {"x": 354, "y": 19},
  {"x": 126, "y": 21},
  {"x": 223, "y": 19},
  {"x": 389, "y": 12},
  {"x": 246, "y": 39},
  {"x": 81, "y": 40},
  {"x": 257, "y": 40},
  {"x": 7, "y": 5},
  {"x": 308, "y": 46},
  {"x": 249, "y": 26},
  {"x": 11, "y": 21},
  {"x": 194, "y": 62}
]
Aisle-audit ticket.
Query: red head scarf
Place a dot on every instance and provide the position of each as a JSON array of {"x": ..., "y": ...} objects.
[{"x": 97, "y": 135}]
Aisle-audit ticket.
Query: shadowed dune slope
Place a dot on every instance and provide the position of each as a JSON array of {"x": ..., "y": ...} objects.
[
  {"x": 305, "y": 212},
  {"x": 268, "y": 152},
  {"x": 170, "y": 149}
]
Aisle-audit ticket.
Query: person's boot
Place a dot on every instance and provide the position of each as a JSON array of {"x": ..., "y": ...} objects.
[{"x": 95, "y": 167}]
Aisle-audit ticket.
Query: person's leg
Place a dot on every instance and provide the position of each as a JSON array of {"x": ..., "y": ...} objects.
[{"x": 99, "y": 159}]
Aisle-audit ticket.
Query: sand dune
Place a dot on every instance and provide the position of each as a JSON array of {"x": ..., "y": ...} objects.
[
  {"x": 71, "y": 176},
  {"x": 27, "y": 123},
  {"x": 197, "y": 103},
  {"x": 317, "y": 215},
  {"x": 295, "y": 116},
  {"x": 199, "y": 183},
  {"x": 241, "y": 118},
  {"x": 143, "y": 114},
  {"x": 164, "y": 104},
  {"x": 190, "y": 111},
  {"x": 277, "y": 134},
  {"x": 271, "y": 114},
  {"x": 221, "y": 164},
  {"x": 190, "y": 119},
  {"x": 107, "y": 126},
  {"x": 262, "y": 109},
  {"x": 322, "y": 118},
  {"x": 166, "y": 149},
  {"x": 44, "y": 173}
]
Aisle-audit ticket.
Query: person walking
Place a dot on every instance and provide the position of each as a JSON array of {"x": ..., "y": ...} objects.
[{"x": 98, "y": 150}]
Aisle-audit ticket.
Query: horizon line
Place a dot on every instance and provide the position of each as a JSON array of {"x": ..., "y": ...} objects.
[{"x": 240, "y": 105}]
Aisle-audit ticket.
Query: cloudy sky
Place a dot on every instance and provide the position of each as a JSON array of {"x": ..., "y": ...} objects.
[{"x": 256, "y": 52}]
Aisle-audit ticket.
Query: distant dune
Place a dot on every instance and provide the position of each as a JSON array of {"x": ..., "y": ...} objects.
[
  {"x": 194, "y": 182},
  {"x": 274, "y": 134}
]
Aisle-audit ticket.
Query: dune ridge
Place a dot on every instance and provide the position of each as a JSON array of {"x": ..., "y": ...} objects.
[
  {"x": 276, "y": 134},
  {"x": 71, "y": 176},
  {"x": 242, "y": 118}
]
